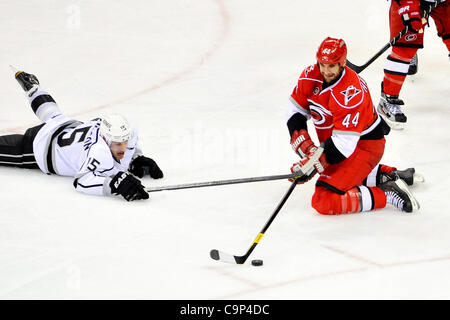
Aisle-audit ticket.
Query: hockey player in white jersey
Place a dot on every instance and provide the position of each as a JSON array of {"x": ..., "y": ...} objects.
[{"x": 103, "y": 155}]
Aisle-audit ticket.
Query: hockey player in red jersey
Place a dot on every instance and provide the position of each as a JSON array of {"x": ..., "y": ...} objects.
[
  {"x": 403, "y": 58},
  {"x": 352, "y": 136}
]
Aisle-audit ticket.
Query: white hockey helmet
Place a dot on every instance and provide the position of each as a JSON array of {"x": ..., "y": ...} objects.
[{"x": 115, "y": 128}]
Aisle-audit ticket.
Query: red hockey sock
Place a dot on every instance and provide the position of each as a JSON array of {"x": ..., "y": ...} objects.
[
  {"x": 357, "y": 199},
  {"x": 392, "y": 83},
  {"x": 330, "y": 203},
  {"x": 387, "y": 169},
  {"x": 379, "y": 198},
  {"x": 393, "y": 76}
]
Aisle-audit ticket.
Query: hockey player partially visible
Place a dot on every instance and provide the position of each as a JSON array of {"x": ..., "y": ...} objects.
[
  {"x": 102, "y": 155},
  {"x": 352, "y": 135},
  {"x": 403, "y": 58}
]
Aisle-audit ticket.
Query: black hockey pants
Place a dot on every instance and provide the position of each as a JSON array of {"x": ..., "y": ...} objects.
[{"x": 17, "y": 149}]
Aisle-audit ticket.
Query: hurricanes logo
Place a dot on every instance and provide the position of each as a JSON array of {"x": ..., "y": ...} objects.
[
  {"x": 310, "y": 68},
  {"x": 350, "y": 93},
  {"x": 410, "y": 37},
  {"x": 320, "y": 116}
]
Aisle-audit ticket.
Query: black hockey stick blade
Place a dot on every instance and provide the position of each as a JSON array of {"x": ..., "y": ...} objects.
[
  {"x": 354, "y": 67},
  {"x": 358, "y": 69}
]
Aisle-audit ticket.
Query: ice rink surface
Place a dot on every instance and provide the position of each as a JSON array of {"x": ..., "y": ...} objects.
[{"x": 207, "y": 83}]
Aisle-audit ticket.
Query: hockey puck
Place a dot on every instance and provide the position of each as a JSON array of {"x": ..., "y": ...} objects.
[{"x": 257, "y": 263}]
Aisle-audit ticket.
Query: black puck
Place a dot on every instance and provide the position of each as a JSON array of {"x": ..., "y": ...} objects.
[{"x": 257, "y": 263}]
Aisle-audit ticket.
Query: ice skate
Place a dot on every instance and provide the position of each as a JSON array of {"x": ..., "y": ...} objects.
[
  {"x": 398, "y": 195},
  {"x": 409, "y": 176},
  {"x": 413, "y": 65},
  {"x": 389, "y": 108},
  {"x": 26, "y": 80}
]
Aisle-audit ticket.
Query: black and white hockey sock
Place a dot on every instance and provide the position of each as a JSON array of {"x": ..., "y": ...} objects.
[{"x": 43, "y": 105}]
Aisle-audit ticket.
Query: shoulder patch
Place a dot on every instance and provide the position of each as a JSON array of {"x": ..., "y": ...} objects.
[
  {"x": 309, "y": 69},
  {"x": 350, "y": 93}
]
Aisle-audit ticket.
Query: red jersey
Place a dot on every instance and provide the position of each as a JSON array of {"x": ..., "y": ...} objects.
[{"x": 342, "y": 110}]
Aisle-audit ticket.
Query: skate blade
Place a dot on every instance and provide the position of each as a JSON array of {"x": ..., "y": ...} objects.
[
  {"x": 13, "y": 68},
  {"x": 418, "y": 178},
  {"x": 402, "y": 185},
  {"x": 394, "y": 125}
]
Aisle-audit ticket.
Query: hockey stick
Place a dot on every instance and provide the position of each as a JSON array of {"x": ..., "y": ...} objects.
[
  {"x": 358, "y": 69},
  {"x": 222, "y": 182},
  {"x": 225, "y": 257}
]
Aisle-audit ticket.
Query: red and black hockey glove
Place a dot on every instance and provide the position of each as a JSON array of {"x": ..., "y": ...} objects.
[
  {"x": 302, "y": 144},
  {"x": 410, "y": 13}
]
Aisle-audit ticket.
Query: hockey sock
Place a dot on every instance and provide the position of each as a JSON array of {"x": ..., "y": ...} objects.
[
  {"x": 43, "y": 104},
  {"x": 393, "y": 83},
  {"x": 357, "y": 199},
  {"x": 396, "y": 69},
  {"x": 375, "y": 176},
  {"x": 379, "y": 198}
]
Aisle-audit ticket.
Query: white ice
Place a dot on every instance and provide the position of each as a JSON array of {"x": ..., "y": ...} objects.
[{"x": 207, "y": 82}]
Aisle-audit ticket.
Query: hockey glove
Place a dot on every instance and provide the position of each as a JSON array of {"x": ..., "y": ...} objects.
[
  {"x": 142, "y": 166},
  {"x": 410, "y": 14},
  {"x": 128, "y": 187},
  {"x": 302, "y": 144},
  {"x": 318, "y": 166}
]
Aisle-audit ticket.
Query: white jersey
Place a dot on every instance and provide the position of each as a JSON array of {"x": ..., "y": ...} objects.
[{"x": 71, "y": 148}]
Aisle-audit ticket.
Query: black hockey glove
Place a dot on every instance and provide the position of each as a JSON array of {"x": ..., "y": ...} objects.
[
  {"x": 128, "y": 187},
  {"x": 142, "y": 166}
]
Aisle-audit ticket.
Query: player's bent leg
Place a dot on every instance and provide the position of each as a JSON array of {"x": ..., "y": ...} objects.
[
  {"x": 339, "y": 189},
  {"x": 42, "y": 104},
  {"x": 357, "y": 199}
]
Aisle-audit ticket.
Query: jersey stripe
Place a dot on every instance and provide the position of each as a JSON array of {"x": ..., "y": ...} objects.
[{"x": 91, "y": 186}]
